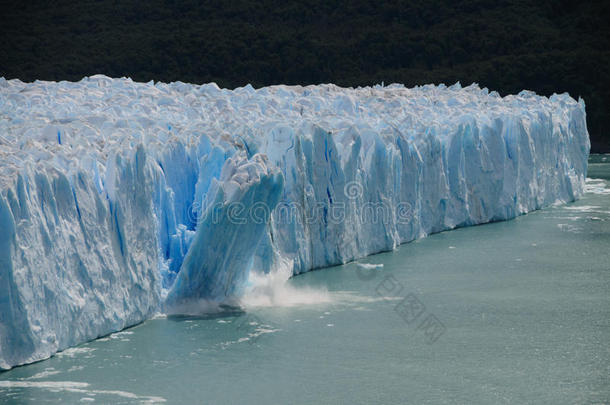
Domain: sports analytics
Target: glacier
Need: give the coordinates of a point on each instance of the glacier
(120, 200)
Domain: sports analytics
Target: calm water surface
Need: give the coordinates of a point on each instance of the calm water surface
(512, 312)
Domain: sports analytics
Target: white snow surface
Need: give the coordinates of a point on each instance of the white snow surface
(121, 199)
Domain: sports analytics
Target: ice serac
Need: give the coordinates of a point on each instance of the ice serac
(233, 221)
(120, 199)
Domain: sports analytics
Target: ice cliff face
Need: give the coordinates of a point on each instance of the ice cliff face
(119, 199)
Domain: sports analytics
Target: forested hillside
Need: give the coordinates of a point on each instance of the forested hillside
(507, 45)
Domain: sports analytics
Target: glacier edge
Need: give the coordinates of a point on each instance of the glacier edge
(110, 189)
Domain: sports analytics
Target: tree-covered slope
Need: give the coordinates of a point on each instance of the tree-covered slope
(546, 46)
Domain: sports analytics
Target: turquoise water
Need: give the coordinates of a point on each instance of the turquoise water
(511, 312)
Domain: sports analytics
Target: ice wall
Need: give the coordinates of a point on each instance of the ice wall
(75, 264)
(119, 199)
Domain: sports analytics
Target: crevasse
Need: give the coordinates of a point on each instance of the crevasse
(120, 199)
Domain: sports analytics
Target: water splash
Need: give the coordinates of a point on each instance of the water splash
(274, 290)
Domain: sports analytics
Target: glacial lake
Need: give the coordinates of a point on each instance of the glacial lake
(509, 312)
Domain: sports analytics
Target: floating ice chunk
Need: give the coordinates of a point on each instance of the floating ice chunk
(370, 266)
